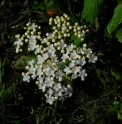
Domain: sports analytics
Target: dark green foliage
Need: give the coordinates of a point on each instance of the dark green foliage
(76, 40)
(98, 99)
(119, 35)
(116, 19)
(92, 8)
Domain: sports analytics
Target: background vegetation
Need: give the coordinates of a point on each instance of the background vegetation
(98, 99)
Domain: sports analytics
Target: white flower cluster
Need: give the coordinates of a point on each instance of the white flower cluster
(56, 59)
(62, 27)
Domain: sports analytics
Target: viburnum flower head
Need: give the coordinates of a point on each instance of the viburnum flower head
(55, 60)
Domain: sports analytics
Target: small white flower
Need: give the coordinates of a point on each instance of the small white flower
(20, 50)
(50, 48)
(58, 93)
(46, 67)
(80, 35)
(50, 92)
(64, 28)
(26, 77)
(17, 50)
(32, 38)
(28, 24)
(17, 36)
(42, 86)
(31, 62)
(74, 55)
(37, 49)
(63, 97)
(33, 26)
(40, 72)
(72, 64)
(88, 51)
(54, 58)
(33, 76)
(40, 80)
(45, 40)
(79, 28)
(70, 47)
(18, 42)
(32, 45)
(60, 79)
(74, 76)
(49, 82)
(65, 35)
(92, 59)
(62, 44)
(48, 70)
(79, 50)
(84, 45)
(40, 59)
(51, 35)
(76, 69)
(50, 99)
(65, 56)
(59, 74)
(82, 62)
(32, 70)
(69, 92)
(67, 70)
(51, 19)
(57, 86)
(82, 74)
(45, 56)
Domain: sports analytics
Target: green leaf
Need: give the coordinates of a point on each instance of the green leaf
(119, 116)
(116, 19)
(67, 77)
(76, 39)
(22, 61)
(19, 63)
(36, 3)
(120, 54)
(99, 75)
(119, 35)
(91, 9)
(16, 21)
(73, 18)
(116, 73)
(119, 1)
(51, 4)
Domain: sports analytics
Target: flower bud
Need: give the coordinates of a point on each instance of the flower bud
(76, 24)
(37, 82)
(20, 50)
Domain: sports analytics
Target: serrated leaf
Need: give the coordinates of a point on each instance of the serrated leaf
(76, 39)
(119, 35)
(116, 19)
(91, 9)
